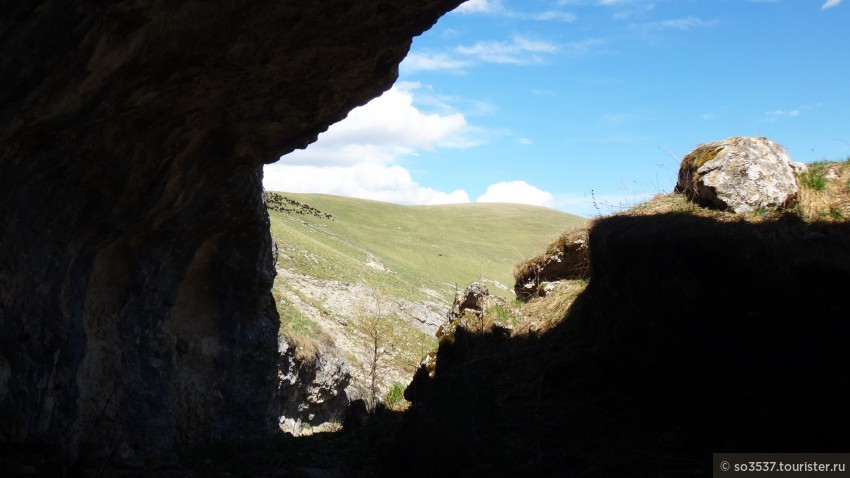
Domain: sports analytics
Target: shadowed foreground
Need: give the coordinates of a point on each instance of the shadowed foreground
(693, 336)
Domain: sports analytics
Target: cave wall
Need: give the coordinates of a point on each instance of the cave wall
(135, 256)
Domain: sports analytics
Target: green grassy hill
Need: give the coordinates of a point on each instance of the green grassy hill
(343, 261)
(412, 251)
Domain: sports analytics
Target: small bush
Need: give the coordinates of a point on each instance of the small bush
(814, 178)
(502, 315)
(394, 396)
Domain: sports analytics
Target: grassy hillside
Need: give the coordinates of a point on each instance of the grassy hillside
(411, 251)
(343, 261)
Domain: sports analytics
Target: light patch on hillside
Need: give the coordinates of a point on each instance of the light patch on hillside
(374, 263)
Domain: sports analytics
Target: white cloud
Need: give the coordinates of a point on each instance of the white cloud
(583, 47)
(384, 130)
(830, 4)
(495, 7)
(429, 61)
(358, 156)
(543, 92)
(566, 17)
(368, 181)
(518, 51)
(710, 116)
(525, 141)
(480, 6)
(519, 192)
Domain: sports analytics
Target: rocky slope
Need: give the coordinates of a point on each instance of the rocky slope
(135, 256)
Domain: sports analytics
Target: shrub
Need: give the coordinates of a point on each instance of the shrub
(394, 396)
(813, 178)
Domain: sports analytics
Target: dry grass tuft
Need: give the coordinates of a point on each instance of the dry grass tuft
(308, 348)
(542, 313)
(527, 268)
(825, 192)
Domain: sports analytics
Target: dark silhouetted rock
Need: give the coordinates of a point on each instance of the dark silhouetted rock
(135, 255)
(355, 415)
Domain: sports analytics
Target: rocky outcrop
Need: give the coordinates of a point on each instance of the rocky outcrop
(471, 299)
(567, 258)
(314, 389)
(739, 174)
(135, 256)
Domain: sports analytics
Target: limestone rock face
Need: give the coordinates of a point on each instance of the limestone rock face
(739, 174)
(135, 255)
(472, 299)
(567, 258)
(315, 390)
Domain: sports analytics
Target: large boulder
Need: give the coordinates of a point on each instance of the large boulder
(739, 174)
(135, 256)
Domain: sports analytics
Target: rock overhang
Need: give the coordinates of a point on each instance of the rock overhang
(130, 191)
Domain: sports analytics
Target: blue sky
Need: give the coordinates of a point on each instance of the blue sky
(558, 102)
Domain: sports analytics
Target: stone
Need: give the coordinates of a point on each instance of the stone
(473, 299)
(565, 259)
(135, 256)
(740, 174)
(314, 391)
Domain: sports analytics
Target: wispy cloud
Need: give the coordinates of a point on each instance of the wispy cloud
(480, 6)
(683, 24)
(619, 118)
(830, 4)
(433, 61)
(584, 47)
(495, 7)
(622, 9)
(566, 17)
(542, 92)
(518, 51)
(710, 116)
(603, 3)
(776, 114)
